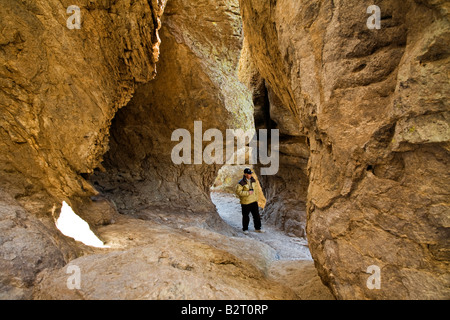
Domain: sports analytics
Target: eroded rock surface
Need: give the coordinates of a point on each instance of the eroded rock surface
(300, 276)
(28, 245)
(59, 90)
(373, 104)
(364, 126)
(164, 263)
(196, 81)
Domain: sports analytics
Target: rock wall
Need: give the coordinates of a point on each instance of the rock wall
(363, 114)
(196, 81)
(28, 246)
(374, 106)
(59, 90)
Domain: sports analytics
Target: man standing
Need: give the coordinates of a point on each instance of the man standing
(247, 190)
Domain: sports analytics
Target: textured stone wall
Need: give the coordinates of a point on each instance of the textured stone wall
(196, 81)
(59, 90)
(364, 138)
(374, 106)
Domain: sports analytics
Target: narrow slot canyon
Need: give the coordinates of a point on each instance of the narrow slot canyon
(129, 119)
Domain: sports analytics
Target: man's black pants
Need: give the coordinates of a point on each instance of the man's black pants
(246, 209)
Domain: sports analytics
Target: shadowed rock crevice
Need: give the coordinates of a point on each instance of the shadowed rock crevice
(286, 190)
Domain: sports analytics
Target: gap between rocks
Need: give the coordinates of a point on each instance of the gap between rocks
(293, 266)
(287, 247)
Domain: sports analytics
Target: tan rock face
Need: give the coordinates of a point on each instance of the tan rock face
(364, 145)
(301, 276)
(59, 90)
(196, 81)
(28, 245)
(61, 87)
(374, 105)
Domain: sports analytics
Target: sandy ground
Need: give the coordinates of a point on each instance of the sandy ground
(288, 248)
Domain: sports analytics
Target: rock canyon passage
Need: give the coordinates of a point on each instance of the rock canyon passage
(286, 247)
(116, 117)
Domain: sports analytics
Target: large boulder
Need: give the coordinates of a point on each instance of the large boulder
(286, 189)
(28, 245)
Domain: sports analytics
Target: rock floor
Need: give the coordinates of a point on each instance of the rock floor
(294, 267)
(287, 247)
(151, 259)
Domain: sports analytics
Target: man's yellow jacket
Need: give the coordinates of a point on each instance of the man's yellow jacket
(242, 190)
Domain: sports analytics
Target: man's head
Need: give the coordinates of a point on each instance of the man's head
(248, 173)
